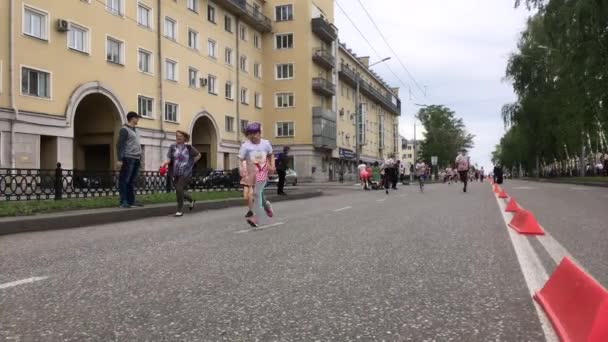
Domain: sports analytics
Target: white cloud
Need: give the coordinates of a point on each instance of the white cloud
(458, 49)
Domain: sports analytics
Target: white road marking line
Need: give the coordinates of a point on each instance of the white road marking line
(579, 188)
(342, 209)
(533, 270)
(524, 188)
(401, 195)
(21, 282)
(259, 228)
(381, 200)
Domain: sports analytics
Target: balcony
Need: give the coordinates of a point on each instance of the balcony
(324, 30)
(348, 75)
(323, 58)
(251, 15)
(323, 87)
(324, 129)
(384, 100)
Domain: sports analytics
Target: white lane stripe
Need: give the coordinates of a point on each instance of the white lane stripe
(21, 282)
(532, 269)
(381, 200)
(259, 228)
(401, 195)
(341, 209)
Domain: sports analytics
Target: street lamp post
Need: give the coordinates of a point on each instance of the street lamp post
(359, 118)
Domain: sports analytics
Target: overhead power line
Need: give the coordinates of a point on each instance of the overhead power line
(371, 46)
(392, 50)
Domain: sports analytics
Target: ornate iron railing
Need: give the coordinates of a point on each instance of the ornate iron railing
(36, 184)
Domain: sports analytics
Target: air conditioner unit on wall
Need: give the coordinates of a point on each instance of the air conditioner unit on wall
(63, 25)
(203, 82)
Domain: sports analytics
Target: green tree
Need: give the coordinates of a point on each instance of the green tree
(445, 134)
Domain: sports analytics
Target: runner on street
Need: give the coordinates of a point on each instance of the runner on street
(463, 163)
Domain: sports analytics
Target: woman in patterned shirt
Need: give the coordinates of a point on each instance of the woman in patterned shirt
(181, 159)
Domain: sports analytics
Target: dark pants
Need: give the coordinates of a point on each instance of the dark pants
(127, 179)
(464, 177)
(181, 191)
(281, 185)
(390, 178)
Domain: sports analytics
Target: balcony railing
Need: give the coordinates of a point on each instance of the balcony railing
(350, 76)
(324, 58)
(324, 128)
(323, 86)
(249, 14)
(347, 74)
(324, 30)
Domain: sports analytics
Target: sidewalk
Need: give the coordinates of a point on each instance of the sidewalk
(566, 181)
(93, 217)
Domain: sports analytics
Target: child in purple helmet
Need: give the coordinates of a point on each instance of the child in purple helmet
(257, 162)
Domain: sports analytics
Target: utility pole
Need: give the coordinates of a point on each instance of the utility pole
(358, 119)
(582, 159)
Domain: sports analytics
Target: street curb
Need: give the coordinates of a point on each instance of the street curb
(85, 218)
(599, 185)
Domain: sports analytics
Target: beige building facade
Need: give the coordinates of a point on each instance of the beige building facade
(70, 70)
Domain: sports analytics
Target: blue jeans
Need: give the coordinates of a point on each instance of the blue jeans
(127, 179)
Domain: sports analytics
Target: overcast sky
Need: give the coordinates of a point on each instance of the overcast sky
(457, 48)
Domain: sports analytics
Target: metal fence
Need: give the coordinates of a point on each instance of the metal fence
(37, 184)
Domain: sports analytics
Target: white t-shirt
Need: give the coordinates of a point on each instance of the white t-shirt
(256, 156)
(462, 162)
(361, 167)
(421, 169)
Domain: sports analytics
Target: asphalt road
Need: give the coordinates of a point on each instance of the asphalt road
(350, 266)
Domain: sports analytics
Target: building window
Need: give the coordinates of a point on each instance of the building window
(228, 56)
(244, 63)
(144, 16)
(258, 100)
(284, 41)
(78, 38)
(257, 70)
(211, 85)
(256, 41)
(211, 13)
(171, 70)
(145, 61)
(192, 77)
(229, 124)
(35, 23)
(244, 96)
(192, 39)
(285, 100)
(193, 5)
(229, 91)
(170, 28)
(285, 129)
(243, 32)
(284, 13)
(35, 83)
(114, 6)
(244, 124)
(115, 53)
(145, 106)
(284, 71)
(228, 23)
(212, 45)
(171, 111)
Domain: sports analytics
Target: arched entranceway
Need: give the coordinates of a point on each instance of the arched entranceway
(204, 138)
(97, 121)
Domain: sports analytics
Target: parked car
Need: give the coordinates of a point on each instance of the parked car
(217, 179)
(291, 177)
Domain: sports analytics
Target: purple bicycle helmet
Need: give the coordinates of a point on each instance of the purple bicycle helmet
(253, 127)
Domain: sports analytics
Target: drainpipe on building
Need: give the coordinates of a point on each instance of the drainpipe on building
(237, 93)
(11, 88)
(159, 63)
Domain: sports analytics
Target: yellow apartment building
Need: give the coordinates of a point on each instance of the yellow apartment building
(70, 70)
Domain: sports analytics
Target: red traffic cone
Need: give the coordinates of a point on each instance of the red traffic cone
(503, 194)
(576, 304)
(512, 206)
(524, 222)
(497, 189)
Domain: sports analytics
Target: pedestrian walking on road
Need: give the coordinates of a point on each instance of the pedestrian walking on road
(363, 175)
(282, 164)
(421, 172)
(498, 174)
(257, 162)
(181, 159)
(389, 174)
(128, 150)
(463, 164)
